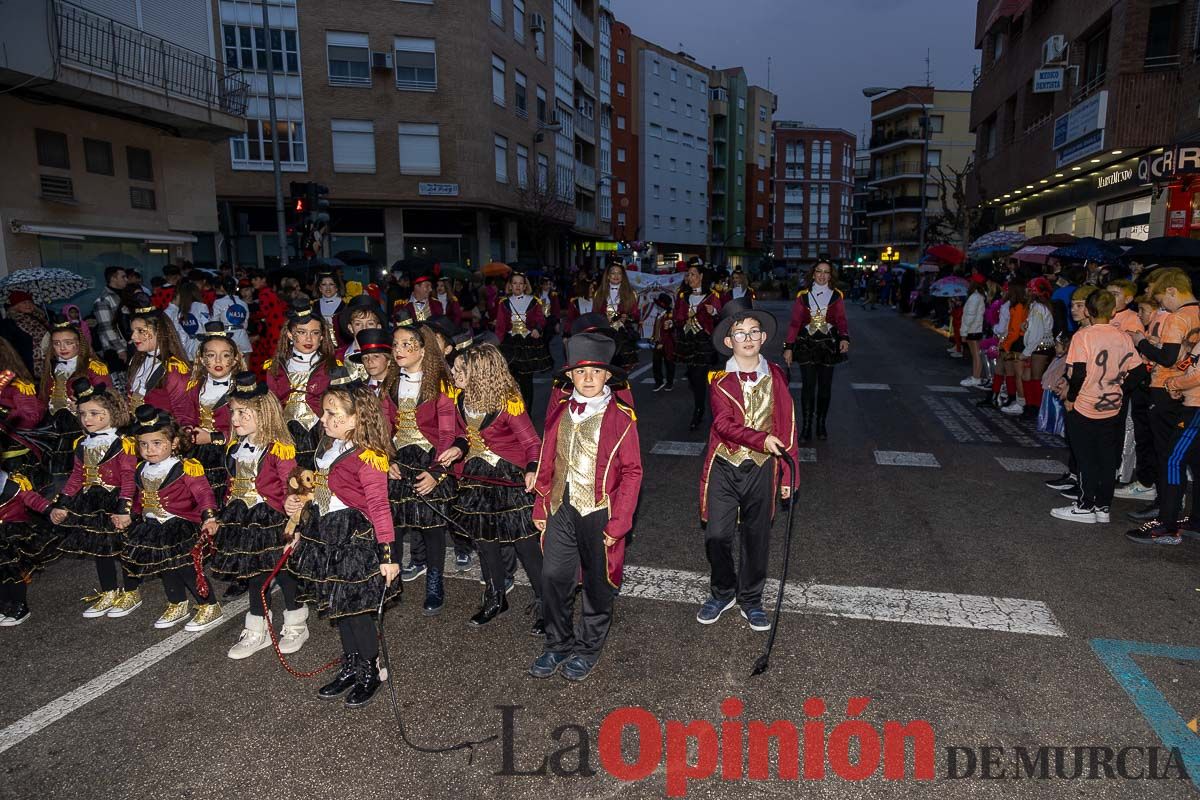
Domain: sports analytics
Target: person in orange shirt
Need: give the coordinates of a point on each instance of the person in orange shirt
(1101, 363)
(1013, 342)
(1126, 317)
(1172, 289)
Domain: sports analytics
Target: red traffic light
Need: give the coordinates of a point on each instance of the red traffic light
(300, 205)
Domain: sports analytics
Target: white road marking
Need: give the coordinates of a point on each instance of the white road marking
(678, 448)
(639, 371)
(963, 409)
(807, 455)
(949, 389)
(1040, 466)
(947, 419)
(55, 710)
(902, 458)
(871, 387)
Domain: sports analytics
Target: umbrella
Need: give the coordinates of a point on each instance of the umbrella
(1164, 248)
(1055, 239)
(453, 271)
(948, 253)
(496, 270)
(1089, 248)
(997, 241)
(327, 263)
(953, 286)
(354, 257)
(1036, 254)
(45, 285)
(929, 266)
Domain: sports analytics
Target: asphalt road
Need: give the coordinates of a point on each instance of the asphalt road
(943, 593)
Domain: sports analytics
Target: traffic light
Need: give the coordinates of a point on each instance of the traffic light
(316, 209)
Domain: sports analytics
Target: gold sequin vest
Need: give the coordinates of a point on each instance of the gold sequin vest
(575, 463)
(759, 416)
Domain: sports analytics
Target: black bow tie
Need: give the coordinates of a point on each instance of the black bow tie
(97, 435)
(220, 383)
(60, 362)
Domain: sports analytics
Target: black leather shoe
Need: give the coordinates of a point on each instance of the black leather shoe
(697, 417)
(578, 668)
(1144, 514)
(491, 609)
(435, 593)
(547, 664)
(822, 434)
(342, 681)
(538, 628)
(366, 683)
(806, 431)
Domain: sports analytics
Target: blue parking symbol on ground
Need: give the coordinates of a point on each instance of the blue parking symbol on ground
(1170, 727)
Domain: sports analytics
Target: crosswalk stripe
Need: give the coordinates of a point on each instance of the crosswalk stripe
(903, 458)
(663, 448)
(1040, 466)
(871, 387)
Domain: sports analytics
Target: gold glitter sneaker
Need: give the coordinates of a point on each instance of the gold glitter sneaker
(175, 613)
(205, 617)
(126, 604)
(100, 607)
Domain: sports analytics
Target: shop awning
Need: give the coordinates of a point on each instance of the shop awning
(1004, 9)
(78, 232)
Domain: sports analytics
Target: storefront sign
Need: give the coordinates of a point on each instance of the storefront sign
(1117, 176)
(1102, 185)
(437, 189)
(1172, 162)
(1081, 120)
(1048, 80)
(1081, 148)
(1012, 210)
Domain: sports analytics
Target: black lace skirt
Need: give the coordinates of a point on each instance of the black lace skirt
(627, 346)
(337, 564)
(249, 542)
(153, 547)
(820, 349)
(66, 431)
(408, 509)
(26, 547)
(306, 443)
(212, 458)
(88, 529)
(492, 513)
(526, 355)
(694, 349)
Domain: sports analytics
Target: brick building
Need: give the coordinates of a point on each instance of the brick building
(626, 223)
(814, 186)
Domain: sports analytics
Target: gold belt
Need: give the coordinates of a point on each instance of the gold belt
(244, 489)
(91, 477)
(151, 502)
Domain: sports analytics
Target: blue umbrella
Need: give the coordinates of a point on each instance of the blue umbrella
(1089, 248)
(996, 242)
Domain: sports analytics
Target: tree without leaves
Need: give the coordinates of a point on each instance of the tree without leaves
(960, 223)
(542, 214)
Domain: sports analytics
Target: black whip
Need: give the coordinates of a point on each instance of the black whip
(763, 663)
(449, 521)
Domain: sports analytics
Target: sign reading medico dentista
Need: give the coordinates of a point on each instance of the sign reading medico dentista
(437, 189)
(1048, 80)
(1080, 132)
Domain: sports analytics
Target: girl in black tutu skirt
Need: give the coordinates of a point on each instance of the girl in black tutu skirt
(521, 329)
(100, 485)
(344, 558)
(818, 339)
(696, 309)
(27, 544)
(217, 361)
(250, 541)
(424, 427)
(617, 299)
(173, 504)
(495, 489)
(72, 359)
(299, 375)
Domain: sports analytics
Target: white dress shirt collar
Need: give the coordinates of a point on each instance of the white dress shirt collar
(593, 406)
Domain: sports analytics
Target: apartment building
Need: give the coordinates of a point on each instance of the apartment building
(814, 188)
(727, 165)
(626, 172)
(426, 151)
(108, 111)
(1075, 104)
(759, 146)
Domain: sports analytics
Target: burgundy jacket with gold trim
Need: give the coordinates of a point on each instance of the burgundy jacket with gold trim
(116, 469)
(167, 391)
(221, 420)
(17, 499)
(437, 419)
(96, 372)
(706, 312)
(275, 466)
(618, 473)
(318, 382)
(729, 426)
(402, 311)
(185, 492)
(359, 479)
(535, 317)
(835, 315)
(25, 409)
(509, 435)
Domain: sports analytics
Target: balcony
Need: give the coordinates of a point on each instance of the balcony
(1161, 62)
(888, 205)
(586, 77)
(585, 176)
(888, 139)
(585, 220)
(118, 67)
(906, 170)
(584, 26)
(717, 216)
(585, 127)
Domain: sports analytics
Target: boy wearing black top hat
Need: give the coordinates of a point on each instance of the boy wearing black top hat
(754, 420)
(588, 479)
(372, 355)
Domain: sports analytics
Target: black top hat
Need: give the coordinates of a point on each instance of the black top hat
(61, 323)
(740, 309)
(214, 329)
(592, 350)
(371, 340)
(443, 325)
(85, 390)
(142, 306)
(301, 311)
(593, 322)
(341, 378)
(361, 302)
(246, 386)
(149, 419)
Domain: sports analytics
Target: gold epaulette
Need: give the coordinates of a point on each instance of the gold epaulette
(374, 458)
(129, 445)
(716, 375)
(801, 293)
(283, 451)
(24, 387)
(627, 409)
(177, 365)
(98, 367)
(78, 440)
(515, 405)
(193, 468)
(450, 390)
(267, 364)
(192, 384)
(233, 441)
(22, 482)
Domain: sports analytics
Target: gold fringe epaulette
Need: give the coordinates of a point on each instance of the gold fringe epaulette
(450, 390)
(25, 387)
(283, 451)
(193, 468)
(716, 375)
(267, 364)
(515, 406)
(177, 365)
(192, 384)
(628, 410)
(22, 482)
(375, 459)
(129, 445)
(98, 367)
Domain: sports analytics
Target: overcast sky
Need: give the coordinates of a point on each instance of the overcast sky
(823, 52)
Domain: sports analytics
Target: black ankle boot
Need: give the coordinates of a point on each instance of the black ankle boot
(342, 681)
(435, 592)
(366, 683)
(697, 417)
(492, 608)
(806, 431)
(822, 434)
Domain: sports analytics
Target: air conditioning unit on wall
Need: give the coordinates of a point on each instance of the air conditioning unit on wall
(381, 60)
(1054, 50)
(537, 23)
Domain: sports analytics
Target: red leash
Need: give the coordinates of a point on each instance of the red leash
(287, 551)
(204, 547)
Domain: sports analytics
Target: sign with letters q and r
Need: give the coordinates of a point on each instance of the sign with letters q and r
(1048, 80)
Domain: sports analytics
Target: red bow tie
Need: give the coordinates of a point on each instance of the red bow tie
(748, 377)
(577, 407)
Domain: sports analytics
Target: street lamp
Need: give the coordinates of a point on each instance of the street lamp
(872, 91)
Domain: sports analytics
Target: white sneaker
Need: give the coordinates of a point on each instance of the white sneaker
(252, 639)
(1136, 490)
(1102, 515)
(954, 353)
(295, 630)
(1074, 513)
(969, 383)
(1013, 409)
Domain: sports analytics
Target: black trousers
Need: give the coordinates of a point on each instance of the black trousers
(287, 585)
(698, 383)
(1146, 469)
(817, 389)
(13, 593)
(1097, 447)
(525, 384)
(663, 366)
(428, 547)
(1166, 418)
(1184, 453)
(107, 570)
(572, 542)
(359, 636)
(493, 563)
(179, 583)
(740, 505)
